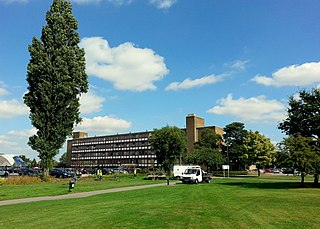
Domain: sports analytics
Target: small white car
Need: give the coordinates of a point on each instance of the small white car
(4, 173)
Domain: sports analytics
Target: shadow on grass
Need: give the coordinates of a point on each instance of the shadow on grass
(270, 185)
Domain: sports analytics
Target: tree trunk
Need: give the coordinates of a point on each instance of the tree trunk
(316, 179)
(46, 172)
(302, 180)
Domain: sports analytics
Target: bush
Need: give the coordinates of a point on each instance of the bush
(21, 180)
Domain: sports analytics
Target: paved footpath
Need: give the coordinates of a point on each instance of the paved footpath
(78, 195)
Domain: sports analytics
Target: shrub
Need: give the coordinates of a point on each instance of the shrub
(22, 180)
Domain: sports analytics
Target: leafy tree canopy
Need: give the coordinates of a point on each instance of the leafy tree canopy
(169, 144)
(56, 77)
(234, 137)
(300, 153)
(303, 115)
(302, 124)
(208, 138)
(208, 150)
(258, 150)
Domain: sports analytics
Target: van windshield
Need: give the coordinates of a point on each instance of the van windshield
(190, 171)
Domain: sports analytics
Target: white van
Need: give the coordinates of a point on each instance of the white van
(178, 170)
(195, 175)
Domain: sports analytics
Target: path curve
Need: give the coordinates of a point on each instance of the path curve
(77, 195)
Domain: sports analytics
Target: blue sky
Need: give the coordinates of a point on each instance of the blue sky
(152, 62)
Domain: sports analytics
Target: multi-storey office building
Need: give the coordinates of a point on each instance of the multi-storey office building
(111, 150)
(123, 149)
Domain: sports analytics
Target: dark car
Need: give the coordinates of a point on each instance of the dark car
(291, 171)
(60, 173)
(28, 172)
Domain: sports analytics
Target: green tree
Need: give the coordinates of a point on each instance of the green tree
(208, 150)
(259, 150)
(303, 118)
(300, 154)
(303, 115)
(62, 160)
(34, 163)
(56, 77)
(234, 137)
(25, 159)
(208, 138)
(169, 143)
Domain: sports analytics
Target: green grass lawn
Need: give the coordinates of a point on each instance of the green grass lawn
(61, 186)
(269, 202)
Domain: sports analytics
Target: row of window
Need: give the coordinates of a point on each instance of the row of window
(112, 149)
(112, 157)
(113, 145)
(117, 153)
(113, 162)
(90, 141)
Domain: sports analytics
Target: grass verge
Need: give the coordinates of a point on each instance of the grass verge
(61, 186)
(225, 203)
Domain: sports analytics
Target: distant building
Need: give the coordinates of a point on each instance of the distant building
(194, 127)
(11, 160)
(110, 150)
(125, 149)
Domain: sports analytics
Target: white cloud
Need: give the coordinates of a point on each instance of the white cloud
(105, 124)
(15, 142)
(239, 65)
(254, 109)
(85, 1)
(4, 141)
(163, 4)
(22, 133)
(294, 75)
(3, 92)
(189, 83)
(14, 1)
(12, 108)
(126, 66)
(114, 2)
(90, 103)
(120, 2)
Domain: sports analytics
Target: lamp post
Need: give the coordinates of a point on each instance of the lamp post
(228, 154)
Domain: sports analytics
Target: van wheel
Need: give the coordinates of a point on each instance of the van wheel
(196, 181)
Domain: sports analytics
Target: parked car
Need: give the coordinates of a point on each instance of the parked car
(28, 172)
(291, 171)
(268, 171)
(60, 173)
(73, 172)
(276, 171)
(287, 171)
(119, 170)
(4, 173)
(107, 171)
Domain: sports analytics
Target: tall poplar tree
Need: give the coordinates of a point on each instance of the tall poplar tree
(56, 77)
